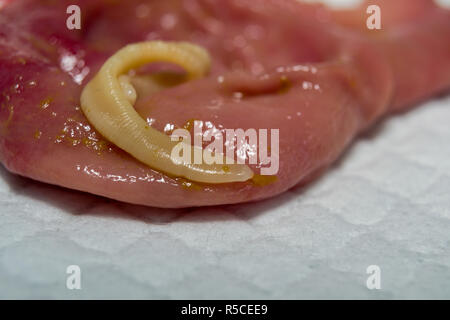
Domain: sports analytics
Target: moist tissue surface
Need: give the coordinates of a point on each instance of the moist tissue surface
(385, 203)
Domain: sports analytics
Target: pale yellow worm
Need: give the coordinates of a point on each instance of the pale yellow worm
(108, 99)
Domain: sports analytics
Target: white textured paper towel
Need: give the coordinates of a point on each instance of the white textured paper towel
(386, 203)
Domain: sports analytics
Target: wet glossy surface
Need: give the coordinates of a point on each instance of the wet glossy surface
(277, 64)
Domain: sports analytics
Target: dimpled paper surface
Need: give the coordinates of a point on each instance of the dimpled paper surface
(385, 203)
